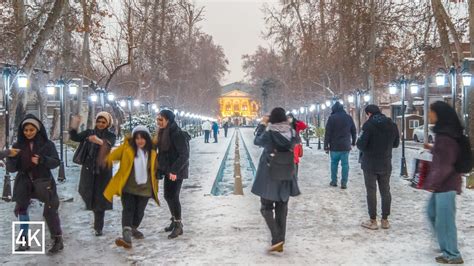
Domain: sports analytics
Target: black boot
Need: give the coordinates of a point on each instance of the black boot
(137, 234)
(171, 226)
(24, 247)
(126, 239)
(177, 230)
(58, 245)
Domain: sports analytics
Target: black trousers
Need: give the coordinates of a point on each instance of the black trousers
(99, 220)
(133, 209)
(274, 213)
(383, 180)
(215, 136)
(225, 132)
(171, 193)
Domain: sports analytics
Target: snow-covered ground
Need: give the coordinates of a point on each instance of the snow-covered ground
(323, 223)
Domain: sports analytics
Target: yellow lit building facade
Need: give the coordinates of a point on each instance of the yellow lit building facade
(238, 107)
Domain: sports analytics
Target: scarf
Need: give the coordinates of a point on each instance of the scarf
(27, 165)
(164, 140)
(140, 166)
(284, 128)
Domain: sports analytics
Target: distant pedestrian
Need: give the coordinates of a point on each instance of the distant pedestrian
(135, 182)
(379, 136)
(206, 126)
(340, 129)
(275, 180)
(444, 179)
(226, 128)
(94, 175)
(298, 126)
(215, 130)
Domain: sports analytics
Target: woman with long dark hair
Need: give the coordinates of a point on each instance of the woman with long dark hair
(95, 177)
(278, 138)
(444, 181)
(173, 155)
(135, 182)
(37, 157)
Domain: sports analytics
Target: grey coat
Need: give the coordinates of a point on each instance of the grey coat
(264, 186)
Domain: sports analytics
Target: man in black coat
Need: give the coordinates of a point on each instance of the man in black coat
(340, 129)
(379, 136)
(173, 166)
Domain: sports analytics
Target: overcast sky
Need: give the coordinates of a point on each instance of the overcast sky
(237, 26)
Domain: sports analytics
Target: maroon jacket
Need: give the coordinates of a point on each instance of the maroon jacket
(443, 177)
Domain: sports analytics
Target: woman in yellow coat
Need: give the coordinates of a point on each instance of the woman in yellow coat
(135, 181)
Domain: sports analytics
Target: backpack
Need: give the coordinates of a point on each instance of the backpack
(463, 163)
(281, 164)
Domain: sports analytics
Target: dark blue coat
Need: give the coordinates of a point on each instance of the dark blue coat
(340, 129)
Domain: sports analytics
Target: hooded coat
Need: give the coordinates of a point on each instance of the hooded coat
(175, 160)
(48, 159)
(94, 178)
(281, 137)
(340, 128)
(379, 136)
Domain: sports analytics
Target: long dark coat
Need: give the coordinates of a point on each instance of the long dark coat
(176, 159)
(264, 185)
(49, 159)
(94, 179)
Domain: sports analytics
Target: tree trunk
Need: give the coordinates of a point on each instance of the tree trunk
(437, 7)
(44, 35)
(371, 52)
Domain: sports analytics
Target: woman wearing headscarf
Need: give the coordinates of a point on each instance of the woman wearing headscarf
(173, 158)
(94, 176)
(37, 157)
(444, 181)
(135, 182)
(275, 135)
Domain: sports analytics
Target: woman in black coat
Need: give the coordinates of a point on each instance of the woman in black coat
(94, 175)
(33, 163)
(173, 166)
(275, 133)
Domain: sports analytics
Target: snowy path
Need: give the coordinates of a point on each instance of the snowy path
(323, 223)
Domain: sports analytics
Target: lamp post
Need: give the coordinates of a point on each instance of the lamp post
(466, 82)
(51, 90)
(441, 81)
(22, 82)
(355, 98)
(403, 82)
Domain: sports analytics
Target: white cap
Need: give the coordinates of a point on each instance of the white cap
(141, 128)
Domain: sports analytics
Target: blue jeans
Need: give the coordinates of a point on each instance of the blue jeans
(442, 215)
(342, 156)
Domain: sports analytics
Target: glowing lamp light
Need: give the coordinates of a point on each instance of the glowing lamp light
(350, 99)
(51, 89)
(466, 79)
(136, 103)
(123, 103)
(392, 88)
(440, 79)
(110, 97)
(73, 89)
(94, 98)
(22, 81)
(366, 98)
(414, 88)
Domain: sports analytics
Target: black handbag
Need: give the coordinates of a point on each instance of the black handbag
(81, 152)
(281, 165)
(45, 191)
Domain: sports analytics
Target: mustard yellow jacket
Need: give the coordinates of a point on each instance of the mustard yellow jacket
(126, 155)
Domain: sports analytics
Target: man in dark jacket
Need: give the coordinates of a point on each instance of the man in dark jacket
(379, 136)
(173, 166)
(340, 129)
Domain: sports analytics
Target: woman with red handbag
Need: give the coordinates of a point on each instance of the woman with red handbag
(298, 126)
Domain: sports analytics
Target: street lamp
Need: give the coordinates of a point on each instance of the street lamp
(403, 82)
(22, 83)
(466, 82)
(440, 78)
(51, 90)
(328, 103)
(355, 98)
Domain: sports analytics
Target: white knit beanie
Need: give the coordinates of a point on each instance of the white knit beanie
(141, 128)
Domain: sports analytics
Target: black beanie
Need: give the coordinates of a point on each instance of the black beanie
(168, 114)
(373, 109)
